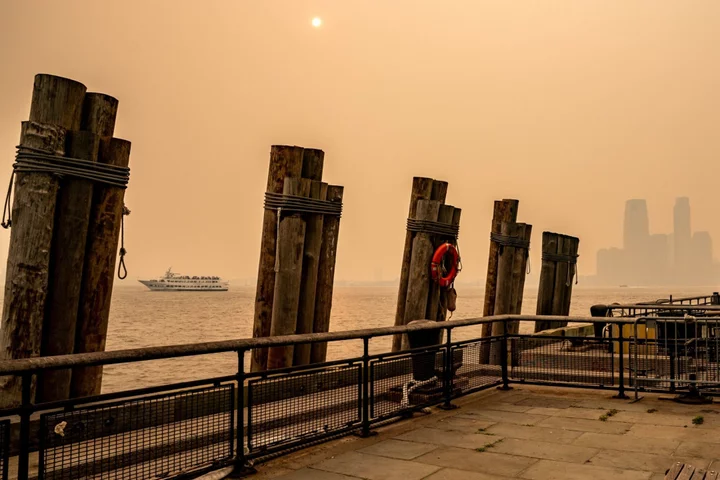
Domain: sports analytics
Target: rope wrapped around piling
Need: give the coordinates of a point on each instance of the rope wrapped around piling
(506, 241)
(571, 260)
(295, 204)
(433, 228)
(34, 160)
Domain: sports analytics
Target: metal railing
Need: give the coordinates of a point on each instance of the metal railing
(184, 429)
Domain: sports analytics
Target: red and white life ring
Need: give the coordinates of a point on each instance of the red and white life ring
(449, 277)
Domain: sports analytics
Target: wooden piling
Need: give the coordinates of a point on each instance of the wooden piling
(67, 257)
(442, 311)
(419, 272)
(445, 215)
(421, 189)
(519, 273)
(99, 270)
(288, 275)
(326, 276)
(505, 210)
(311, 263)
(505, 296)
(56, 107)
(285, 161)
(556, 278)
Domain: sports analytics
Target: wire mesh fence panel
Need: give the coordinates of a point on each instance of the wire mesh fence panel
(144, 438)
(406, 381)
(4, 448)
(470, 373)
(302, 406)
(674, 354)
(587, 361)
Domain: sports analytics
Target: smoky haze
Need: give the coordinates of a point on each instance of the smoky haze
(573, 107)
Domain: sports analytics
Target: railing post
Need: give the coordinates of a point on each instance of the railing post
(448, 375)
(621, 363)
(366, 390)
(241, 468)
(26, 410)
(504, 358)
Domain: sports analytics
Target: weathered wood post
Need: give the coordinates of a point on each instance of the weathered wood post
(312, 170)
(559, 258)
(505, 210)
(419, 273)
(106, 217)
(67, 257)
(326, 275)
(55, 108)
(520, 272)
(445, 216)
(442, 312)
(285, 161)
(288, 276)
(99, 270)
(421, 189)
(513, 243)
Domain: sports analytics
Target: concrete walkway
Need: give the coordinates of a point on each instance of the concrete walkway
(534, 433)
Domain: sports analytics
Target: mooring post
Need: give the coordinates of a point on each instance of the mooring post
(505, 210)
(421, 189)
(445, 216)
(67, 257)
(513, 244)
(312, 170)
(419, 272)
(104, 232)
(559, 253)
(326, 275)
(442, 311)
(285, 161)
(56, 107)
(286, 299)
(519, 274)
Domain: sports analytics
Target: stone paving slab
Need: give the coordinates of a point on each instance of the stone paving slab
(690, 433)
(628, 443)
(669, 420)
(699, 449)
(642, 461)
(312, 474)
(571, 412)
(499, 416)
(462, 424)
(449, 438)
(453, 474)
(550, 470)
(398, 449)
(545, 450)
(482, 462)
(536, 433)
(373, 467)
(583, 425)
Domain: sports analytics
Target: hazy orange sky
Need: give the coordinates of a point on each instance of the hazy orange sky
(570, 106)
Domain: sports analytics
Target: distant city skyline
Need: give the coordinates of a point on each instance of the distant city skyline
(682, 257)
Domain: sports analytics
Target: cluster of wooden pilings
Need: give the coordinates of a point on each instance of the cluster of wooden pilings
(507, 268)
(297, 256)
(64, 237)
(418, 296)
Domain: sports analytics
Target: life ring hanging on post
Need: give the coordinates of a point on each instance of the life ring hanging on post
(437, 265)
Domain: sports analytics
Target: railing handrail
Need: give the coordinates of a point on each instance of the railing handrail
(35, 364)
(658, 306)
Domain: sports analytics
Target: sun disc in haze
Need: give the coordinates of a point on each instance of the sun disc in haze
(316, 22)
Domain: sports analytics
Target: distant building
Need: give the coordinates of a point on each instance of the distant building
(658, 259)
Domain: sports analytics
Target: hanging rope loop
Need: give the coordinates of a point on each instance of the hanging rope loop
(122, 269)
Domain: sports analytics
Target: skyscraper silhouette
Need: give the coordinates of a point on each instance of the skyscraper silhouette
(636, 231)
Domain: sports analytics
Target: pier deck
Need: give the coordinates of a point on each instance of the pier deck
(537, 433)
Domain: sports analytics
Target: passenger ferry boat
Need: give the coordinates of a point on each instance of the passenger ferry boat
(172, 282)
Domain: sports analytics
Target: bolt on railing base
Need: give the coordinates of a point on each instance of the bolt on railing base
(504, 388)
(447, 406)
(361, 434)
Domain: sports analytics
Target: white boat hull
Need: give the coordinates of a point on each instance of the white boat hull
(157, 286)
